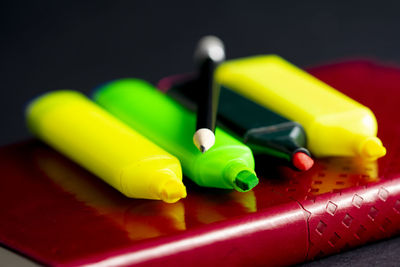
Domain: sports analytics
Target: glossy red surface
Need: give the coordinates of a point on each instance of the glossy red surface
(56, 213)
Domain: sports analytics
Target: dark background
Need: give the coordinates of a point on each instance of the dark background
(48, 45)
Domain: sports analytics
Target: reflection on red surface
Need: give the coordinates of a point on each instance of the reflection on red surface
(329, 175)
(139, 219)
(57, 213)
(76, 218)
(219, 206)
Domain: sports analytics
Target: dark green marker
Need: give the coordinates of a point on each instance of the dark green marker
(264, 131)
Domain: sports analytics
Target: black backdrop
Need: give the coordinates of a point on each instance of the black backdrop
(48, 45)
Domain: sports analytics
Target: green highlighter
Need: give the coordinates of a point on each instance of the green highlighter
(229, 164)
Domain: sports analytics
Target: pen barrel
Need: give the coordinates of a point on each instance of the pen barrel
(336, 125)
(171, 126)
(208, 95)
(90, 136)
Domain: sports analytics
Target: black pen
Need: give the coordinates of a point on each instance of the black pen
(209, 54)
(264, 131)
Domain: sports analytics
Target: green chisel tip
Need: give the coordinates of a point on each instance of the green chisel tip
(246, 180)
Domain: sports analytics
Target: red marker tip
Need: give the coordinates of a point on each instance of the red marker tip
(302, 161)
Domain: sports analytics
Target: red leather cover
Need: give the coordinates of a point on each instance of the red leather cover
(56, 213)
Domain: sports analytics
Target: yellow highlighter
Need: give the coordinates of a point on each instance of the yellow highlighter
(336, 125)
(87, 134)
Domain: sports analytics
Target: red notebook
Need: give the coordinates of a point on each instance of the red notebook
(56, 213)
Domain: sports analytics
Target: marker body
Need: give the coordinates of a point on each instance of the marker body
(171, 126)
(90, 136)
(264, 131)
(335, 124)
